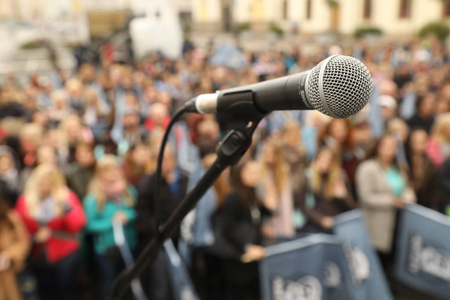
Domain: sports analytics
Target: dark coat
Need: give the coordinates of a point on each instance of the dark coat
(78, 179)
(323, 206)
(417, 122)
(234, 229)
(146, 218)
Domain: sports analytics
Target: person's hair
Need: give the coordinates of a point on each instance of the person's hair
(64, 125)
(85, 147)
(221, 185)
(289, 126)
(59, 188)
(281, 173)
(106, 164)
(32, 131)
(333, 176)
(438, 129)
(349, 143)
(395, 124)
(421, 99)
(246, 193)
(373, 152)
(409, 150)
(131, 168)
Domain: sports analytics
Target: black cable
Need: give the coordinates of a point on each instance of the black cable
(178, 113)
(119, 288)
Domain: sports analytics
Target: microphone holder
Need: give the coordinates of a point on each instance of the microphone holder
(243, 119)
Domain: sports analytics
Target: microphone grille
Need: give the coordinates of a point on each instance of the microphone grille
(339, 86)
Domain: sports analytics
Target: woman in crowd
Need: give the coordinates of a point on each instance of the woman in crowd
(326, 192)
(222, 184)
(10, 174)
(53, 216)
(338, 135)
(80, 172)
(110, 201)
(425, 111)
(400, 131)
(423, 174)
(275, 174)
(137, 163)
(60, 108)
(72, 133)
(30, 139)
(14, 247)
(438, 146)
(172, 189)
(383, 188)
(295, 155)
(238, 227)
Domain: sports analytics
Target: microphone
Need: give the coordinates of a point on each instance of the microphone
(339, 86)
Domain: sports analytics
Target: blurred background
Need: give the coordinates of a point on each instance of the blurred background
(42, 33)
(87, 89)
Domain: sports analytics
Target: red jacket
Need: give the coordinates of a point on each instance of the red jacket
(64, 241)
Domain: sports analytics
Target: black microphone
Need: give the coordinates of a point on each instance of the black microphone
(339, 86)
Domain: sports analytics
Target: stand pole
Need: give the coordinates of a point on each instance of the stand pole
(229, 152)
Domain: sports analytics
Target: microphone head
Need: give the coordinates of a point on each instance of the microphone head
(339, 86)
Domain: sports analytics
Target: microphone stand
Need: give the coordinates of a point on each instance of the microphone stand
(243, 118)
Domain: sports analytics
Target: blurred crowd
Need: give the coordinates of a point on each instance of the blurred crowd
(78, 155)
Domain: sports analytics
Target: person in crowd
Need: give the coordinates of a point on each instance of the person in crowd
(383, 188)
(275, 175)
(30, 138)
(10, 174)
(73, 132)
(14, 247)
(362, 133)
(238, 226)
(423, 174)
(315, 123)
(438, 145)
(76, 100)
(59, 109)
(172, 189)
(158, 118)
(326, 192)
(388, 108)
(53, 217)
(110, 202)
(400, 131)
(80, 172)
(132, 132)
(208, 135)
(9, 106)
(294, 153)
(97, 114)
(424, 116)
(46, 154)
(338, 135)
(204, 265)
(137, 163)
(53, 137)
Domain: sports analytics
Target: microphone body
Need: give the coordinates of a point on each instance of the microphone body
(276, 94)
(338, 86)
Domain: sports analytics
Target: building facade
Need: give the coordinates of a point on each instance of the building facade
(316, 16)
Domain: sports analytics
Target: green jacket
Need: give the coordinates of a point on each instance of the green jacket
(100, 222)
